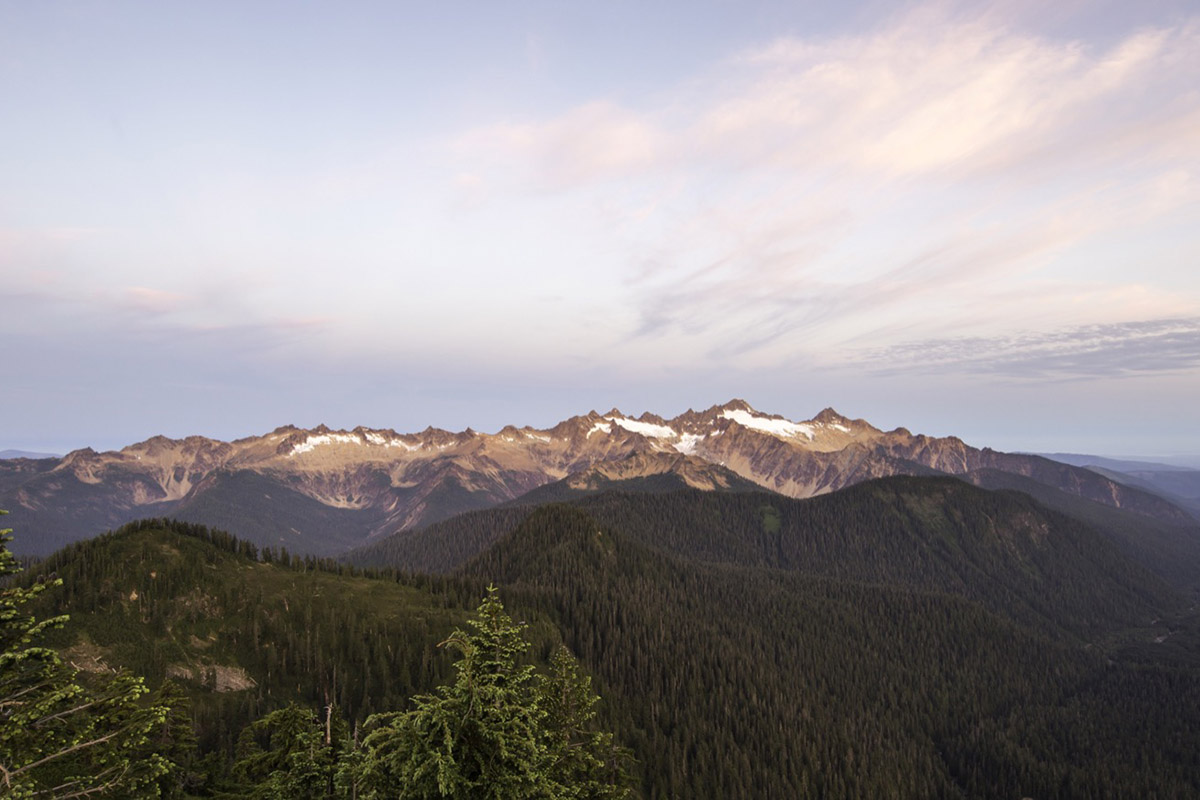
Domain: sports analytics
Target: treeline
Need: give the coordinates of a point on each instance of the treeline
(221, 540)
(225, 542)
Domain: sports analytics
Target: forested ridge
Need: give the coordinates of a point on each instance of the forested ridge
(165, 598)
(905, 638)
(933, 533)
(755, 682)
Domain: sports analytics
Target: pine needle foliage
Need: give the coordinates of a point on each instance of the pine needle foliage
(62, 736)
(290, 754)
(494, 732)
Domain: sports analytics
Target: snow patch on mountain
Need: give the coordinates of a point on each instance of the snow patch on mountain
(383, 441)
(312, 442)
(599, 426)
(687, 443)
(775, 427)
(645, 428)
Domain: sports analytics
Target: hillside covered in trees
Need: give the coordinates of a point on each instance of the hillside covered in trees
(910, 637)
(501, 728)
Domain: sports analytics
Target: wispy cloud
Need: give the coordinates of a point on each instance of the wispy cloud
(595, 141)
(152, 301)
(811, 191)
(162, 326)
(1085, 351)
(924, 92)
(928, 94)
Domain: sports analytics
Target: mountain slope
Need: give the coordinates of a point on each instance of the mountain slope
(1178, 484)
(243, 635)
(748, 681)
(1171, 551)
(653, 473)
(933, 534)
(1181, 487)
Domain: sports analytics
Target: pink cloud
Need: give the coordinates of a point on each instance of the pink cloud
(152, 301)
(595, 141)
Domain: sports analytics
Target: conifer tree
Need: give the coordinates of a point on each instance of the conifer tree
(61, 736)
(585, 763)
(299, 759)
(498, 732)
(480, 737)
(175, 740)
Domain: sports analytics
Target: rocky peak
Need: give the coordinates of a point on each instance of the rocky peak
(80, 456)
(295, 437)
(736, 404)
(444, 438)
(569, 428)
(830, 417)
(158, 441)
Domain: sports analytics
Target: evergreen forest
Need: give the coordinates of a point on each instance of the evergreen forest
(904, 638)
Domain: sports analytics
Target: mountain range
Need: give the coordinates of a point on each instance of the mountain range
(1179, 484)
(768, 608)
(323, 491)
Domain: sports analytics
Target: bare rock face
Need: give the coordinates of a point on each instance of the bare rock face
(323, 491)
(691, 472)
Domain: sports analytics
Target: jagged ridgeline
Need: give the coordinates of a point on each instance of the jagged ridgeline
(324, 492)
(910, 637)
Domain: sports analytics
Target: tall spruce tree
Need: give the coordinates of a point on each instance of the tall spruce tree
(494, 733)
(585, 764)
(290, 754)
(480, 737)
(61, 736)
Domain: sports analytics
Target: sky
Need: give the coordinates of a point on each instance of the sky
(972, 219)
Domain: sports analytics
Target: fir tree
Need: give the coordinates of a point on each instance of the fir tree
(299, 759)
(481, 737)
(498, 732)
(585, 763)
(60, 736)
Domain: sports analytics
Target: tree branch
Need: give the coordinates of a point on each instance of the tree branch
(72, 749)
